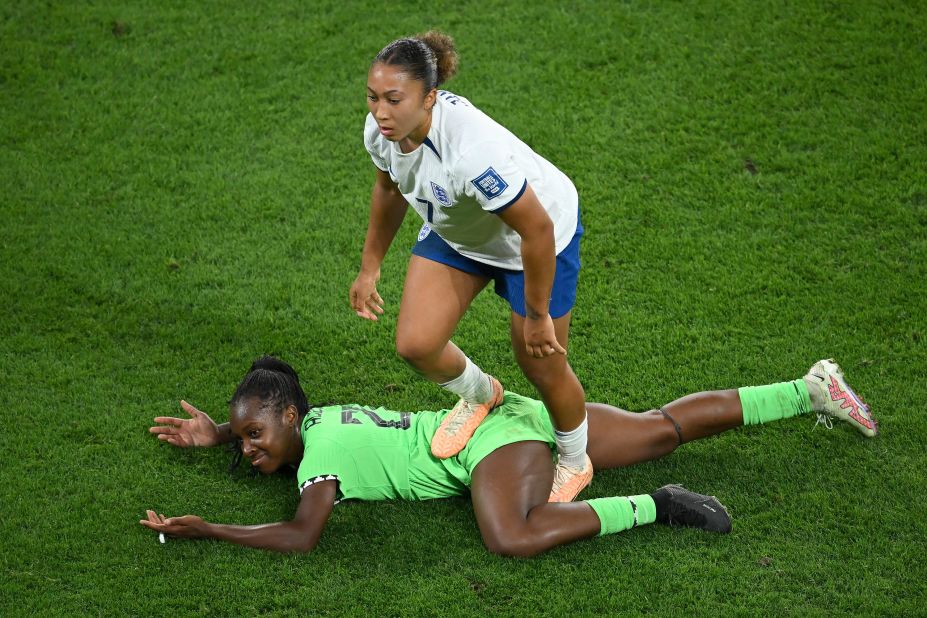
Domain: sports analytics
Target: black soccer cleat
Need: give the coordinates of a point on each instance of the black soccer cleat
(677, 506)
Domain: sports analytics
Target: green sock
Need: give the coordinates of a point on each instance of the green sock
(621, 513)
(762, 404)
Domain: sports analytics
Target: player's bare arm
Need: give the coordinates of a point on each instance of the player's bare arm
(301, 534)
(539, 255)
(387, 211)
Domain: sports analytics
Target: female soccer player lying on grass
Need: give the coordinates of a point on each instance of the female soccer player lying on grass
(359, 452)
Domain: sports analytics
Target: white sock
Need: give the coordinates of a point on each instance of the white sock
(572, 445)
(472, 385)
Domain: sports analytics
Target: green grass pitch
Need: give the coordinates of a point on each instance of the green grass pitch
(185, 188)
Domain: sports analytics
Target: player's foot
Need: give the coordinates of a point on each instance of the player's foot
(569, 481)
(832, 397)
(677, 506)
(460, 423)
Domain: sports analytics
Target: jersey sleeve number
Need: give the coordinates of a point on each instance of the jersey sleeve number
(348, 418)
(453, 99)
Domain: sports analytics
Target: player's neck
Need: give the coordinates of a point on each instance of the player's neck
(295, 452)
(417, 137)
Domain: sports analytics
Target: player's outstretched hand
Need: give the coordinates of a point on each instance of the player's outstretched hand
(188, 526)
(541, 338)
(365, 300)
(198, 430)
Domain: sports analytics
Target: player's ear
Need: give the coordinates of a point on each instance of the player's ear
(430, 97)
(290, 415)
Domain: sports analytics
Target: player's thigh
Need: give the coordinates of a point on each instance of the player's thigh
(506, 485)
(618, 438)
(434, 299)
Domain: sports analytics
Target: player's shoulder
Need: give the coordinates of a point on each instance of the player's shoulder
(321, 420)
(462, 125)
(450, 100)
(468, 135)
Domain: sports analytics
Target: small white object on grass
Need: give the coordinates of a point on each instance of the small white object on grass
(161, 537)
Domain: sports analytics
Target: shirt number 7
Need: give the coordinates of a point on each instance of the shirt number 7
(431, 209)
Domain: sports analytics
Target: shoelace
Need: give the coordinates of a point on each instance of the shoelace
(823, 419)
(560, 477)
(562, 474)
(459, 417)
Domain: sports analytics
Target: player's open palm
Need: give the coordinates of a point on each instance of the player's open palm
(187, 526)
(365, 300)
(198, 430)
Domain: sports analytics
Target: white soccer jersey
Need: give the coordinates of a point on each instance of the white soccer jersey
(469, 169)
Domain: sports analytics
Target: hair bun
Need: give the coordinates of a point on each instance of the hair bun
(446, 57)
(271, 363)
(429, 57)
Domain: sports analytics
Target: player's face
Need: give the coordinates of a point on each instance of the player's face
(269, 439)
(399, 104)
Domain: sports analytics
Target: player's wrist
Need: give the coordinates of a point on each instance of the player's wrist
(223, 434)
(204, 530)
(536, 311)
(369, 272)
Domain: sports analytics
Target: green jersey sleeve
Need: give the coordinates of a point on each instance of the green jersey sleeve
(325, 461)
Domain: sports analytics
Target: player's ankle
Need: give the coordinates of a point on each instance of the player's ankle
(815, 393)
(661, 499)
(571, 445)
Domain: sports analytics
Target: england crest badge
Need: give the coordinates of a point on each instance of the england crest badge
(440, 194)
(424, 232)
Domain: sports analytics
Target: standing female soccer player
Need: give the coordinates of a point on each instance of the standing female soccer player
(493, 210)
(365, 453)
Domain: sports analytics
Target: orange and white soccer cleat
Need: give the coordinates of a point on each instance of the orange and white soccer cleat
(569, 481)
(458, 426)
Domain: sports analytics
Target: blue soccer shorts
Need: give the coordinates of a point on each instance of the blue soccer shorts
(510, 284)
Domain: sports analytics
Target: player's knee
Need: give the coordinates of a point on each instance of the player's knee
(665, 433)
(546, 378)
(414, 350)
(513, 545)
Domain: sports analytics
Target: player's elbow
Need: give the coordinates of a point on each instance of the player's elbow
(304, 548)
(303, 545)
(300, 540)
(512, 546)
(541, 229)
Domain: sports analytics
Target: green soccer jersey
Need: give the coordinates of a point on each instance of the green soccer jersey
(380, 454)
